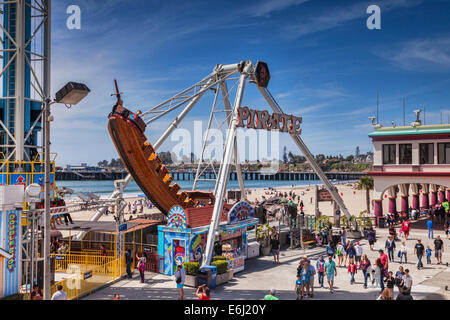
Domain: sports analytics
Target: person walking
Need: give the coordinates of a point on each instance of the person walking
(331, 271)
(358, 252)
(299, 288)
(399, 277)
(60, 294)
(384, 267)
(371, 238)
(352, 270)
(346, 246)
(330, 250)
(180, 276)
(344, 236)
(128, 263)
(406, 225)
(320, 266)
(340, 251)
(419, 250)
(276, 249)
(365, 266)
(430, 228)
(351, 252)
(403, 252)
(438, 249)
(447, 228)
(390, 247)
(407, 281)
(428, 253)
(271, 295)
(141, 267)
(325, 235)
(390, 282)
(312, 273)
(376, 272)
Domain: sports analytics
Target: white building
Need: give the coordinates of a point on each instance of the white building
(411, 160)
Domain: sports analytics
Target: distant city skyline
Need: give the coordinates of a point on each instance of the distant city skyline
(326, 65)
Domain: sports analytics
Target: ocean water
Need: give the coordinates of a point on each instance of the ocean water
(105, 188)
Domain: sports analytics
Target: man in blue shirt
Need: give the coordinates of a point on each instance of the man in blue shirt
(331, 271)
(430, 229)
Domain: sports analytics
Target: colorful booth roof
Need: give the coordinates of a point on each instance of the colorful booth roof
(197, 220)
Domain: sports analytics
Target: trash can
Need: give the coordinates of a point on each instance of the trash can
(204, 277)
(381, 222)
(213, 272)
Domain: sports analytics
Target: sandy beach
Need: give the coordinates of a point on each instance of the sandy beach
(353, 199)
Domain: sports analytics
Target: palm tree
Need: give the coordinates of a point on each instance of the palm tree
(366, 183)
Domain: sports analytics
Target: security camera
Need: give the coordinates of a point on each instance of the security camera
(417, 112)
(372, 119)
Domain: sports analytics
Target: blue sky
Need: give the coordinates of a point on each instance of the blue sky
(326, 65)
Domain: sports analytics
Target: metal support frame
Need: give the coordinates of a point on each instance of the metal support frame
(23, 50)
(225, 167)
(308, 155)
(237, 163)
(46, 93)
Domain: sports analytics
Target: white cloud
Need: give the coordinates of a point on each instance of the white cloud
(420, 55)
(338, 16)
(264, 8)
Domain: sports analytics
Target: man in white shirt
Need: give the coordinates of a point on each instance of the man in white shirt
(358, 253)
(59, 295)
(407, 280)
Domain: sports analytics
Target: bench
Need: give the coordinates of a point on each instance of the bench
(310, 243)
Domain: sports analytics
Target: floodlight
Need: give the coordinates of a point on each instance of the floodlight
(33, 190)
(72, 93)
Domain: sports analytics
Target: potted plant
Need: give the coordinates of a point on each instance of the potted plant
(224, 273)
(192, 269)
(263, 234)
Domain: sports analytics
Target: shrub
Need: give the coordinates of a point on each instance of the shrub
(222, 266)
(219, 258)
(192, 268)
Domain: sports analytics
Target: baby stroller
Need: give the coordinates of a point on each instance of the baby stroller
(318, 237)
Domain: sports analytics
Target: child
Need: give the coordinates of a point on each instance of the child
(428, 251)
(352, 270)
(376, 277)
(299, 287)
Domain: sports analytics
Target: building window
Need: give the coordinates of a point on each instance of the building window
(405, 153)
(388, 153)
(426, 153)
(444, 153)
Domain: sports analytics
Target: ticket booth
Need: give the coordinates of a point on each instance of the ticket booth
(185, 235)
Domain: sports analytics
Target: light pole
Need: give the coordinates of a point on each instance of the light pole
(71, 94)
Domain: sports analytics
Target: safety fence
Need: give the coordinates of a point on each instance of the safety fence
(66, 263)
(85, 276)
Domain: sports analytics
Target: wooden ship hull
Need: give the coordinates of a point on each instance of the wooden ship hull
(144, 164)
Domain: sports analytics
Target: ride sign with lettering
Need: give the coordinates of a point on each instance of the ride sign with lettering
(256, 119)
